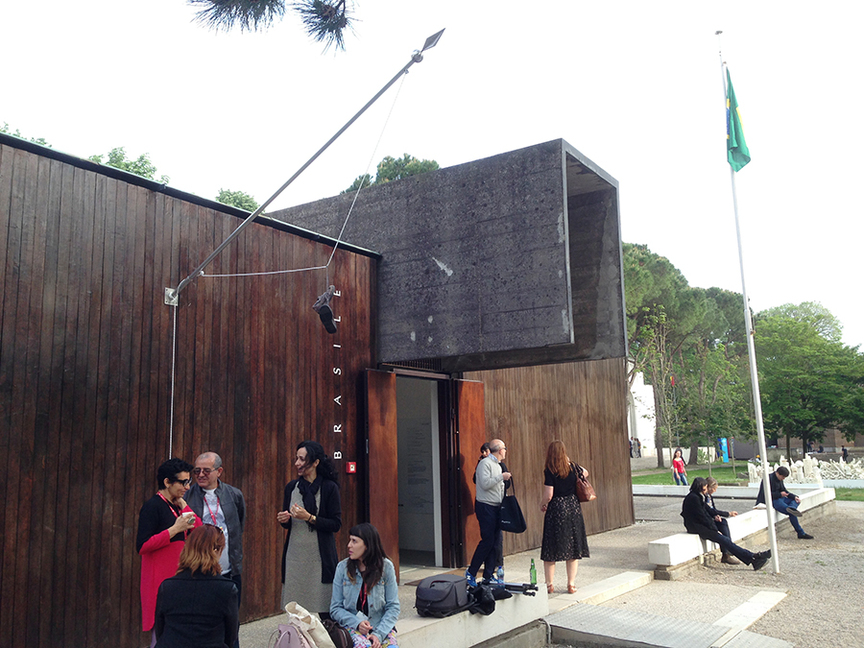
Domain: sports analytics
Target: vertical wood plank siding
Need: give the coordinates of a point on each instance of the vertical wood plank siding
(85, 368)
(584, 405)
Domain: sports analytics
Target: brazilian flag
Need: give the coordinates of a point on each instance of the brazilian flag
(736, 148)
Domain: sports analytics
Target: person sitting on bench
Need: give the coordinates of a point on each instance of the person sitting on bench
(784, 501)
(698, 520)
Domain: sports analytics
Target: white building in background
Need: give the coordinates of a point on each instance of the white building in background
(640, 415)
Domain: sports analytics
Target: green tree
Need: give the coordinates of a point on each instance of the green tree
(141, 166)
(36, 140)
(239, 199)
(391, 168)
(809, 380)
(661, 314)
(324, 20)
(712, 374)
(689, 344)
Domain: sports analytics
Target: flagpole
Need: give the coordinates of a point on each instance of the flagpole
(751, 351)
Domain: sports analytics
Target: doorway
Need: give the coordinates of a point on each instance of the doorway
(422, 436)
(419, 460)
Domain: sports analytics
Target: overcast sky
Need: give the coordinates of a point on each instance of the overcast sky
(635, 86)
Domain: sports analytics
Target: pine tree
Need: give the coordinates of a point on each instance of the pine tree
(324, 20)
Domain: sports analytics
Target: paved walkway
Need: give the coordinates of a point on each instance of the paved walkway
(732, 590)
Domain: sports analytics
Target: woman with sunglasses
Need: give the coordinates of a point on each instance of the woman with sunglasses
(198, 606)
(163, 524)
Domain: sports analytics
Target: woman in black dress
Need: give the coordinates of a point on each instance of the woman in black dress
(564, 536)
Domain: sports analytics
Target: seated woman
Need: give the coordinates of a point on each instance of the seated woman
(698, 520)
(365, 598)
(720, 519)
(198, 606)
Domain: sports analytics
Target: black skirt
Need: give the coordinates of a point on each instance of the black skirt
(564, 536)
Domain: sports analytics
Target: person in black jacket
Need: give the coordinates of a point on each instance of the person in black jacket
(312, 514)
(198, 606)
(720, 519)
(698, 520)
(784, 501)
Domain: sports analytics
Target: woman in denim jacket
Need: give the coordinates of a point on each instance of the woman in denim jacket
(365, 598)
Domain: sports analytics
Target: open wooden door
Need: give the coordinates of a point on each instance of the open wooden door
(382, 460)
(470, 435)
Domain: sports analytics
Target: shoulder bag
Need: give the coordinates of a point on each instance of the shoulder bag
(584, 489)
(512, 519)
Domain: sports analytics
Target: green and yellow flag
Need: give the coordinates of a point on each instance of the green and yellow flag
(736, 148)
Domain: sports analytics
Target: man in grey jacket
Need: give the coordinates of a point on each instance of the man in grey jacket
(222, 505)
(487, 508)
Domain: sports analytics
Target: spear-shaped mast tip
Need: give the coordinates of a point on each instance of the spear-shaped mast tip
(432, 41)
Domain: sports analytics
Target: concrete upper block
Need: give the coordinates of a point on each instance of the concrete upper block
(507, 261)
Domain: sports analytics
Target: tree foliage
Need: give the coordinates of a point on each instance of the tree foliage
(688, 343)
(324, 20)
(810, 381)
(141, 166)
(36, 140)
(239, 199)
(391, 168)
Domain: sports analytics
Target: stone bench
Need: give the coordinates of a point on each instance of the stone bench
(676, 554)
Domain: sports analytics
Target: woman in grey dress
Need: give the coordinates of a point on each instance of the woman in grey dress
(312, 514)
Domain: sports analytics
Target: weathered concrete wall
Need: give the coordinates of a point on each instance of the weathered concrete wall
(508, 261)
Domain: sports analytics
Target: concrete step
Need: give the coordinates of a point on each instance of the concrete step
(601, 591)
(590, 625)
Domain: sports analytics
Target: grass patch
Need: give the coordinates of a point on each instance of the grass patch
(723, 475)
(848, 494)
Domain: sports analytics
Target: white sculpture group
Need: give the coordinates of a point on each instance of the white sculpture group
(811, 470)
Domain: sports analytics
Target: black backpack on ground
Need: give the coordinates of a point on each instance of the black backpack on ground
(442, 595)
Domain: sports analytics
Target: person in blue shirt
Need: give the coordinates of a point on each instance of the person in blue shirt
(365, 596)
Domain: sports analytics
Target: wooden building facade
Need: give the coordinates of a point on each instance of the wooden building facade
(99, 383)
(86, 375)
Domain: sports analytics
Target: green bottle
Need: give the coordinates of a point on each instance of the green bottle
(533, 573)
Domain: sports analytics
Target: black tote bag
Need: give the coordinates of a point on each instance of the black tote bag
(512, 519)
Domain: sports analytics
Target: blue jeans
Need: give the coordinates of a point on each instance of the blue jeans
(680, 476)
(782, 505)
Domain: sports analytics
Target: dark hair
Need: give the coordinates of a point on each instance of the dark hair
(677, 450)
(374, 557)
(484, 448)
(314, 451)
(169, 470)
(783, 470)
(698, 484)
(201, 551)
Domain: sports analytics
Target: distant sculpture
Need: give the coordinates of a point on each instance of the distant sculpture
(806, 471)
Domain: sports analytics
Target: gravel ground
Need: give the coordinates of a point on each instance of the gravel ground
(824, 579)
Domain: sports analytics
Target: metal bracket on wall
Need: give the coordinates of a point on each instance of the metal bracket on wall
(172, 297)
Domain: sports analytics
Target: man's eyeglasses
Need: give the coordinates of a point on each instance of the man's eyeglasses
(206, 471)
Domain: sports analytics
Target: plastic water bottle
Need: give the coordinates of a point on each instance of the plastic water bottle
(533, 573)
(500, 574)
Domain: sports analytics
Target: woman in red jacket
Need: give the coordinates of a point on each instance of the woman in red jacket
(163, 524)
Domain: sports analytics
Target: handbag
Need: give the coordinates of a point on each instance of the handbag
(584, 489)
(308, 624)
(339, 634)
(287, 636)
(512, 519)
